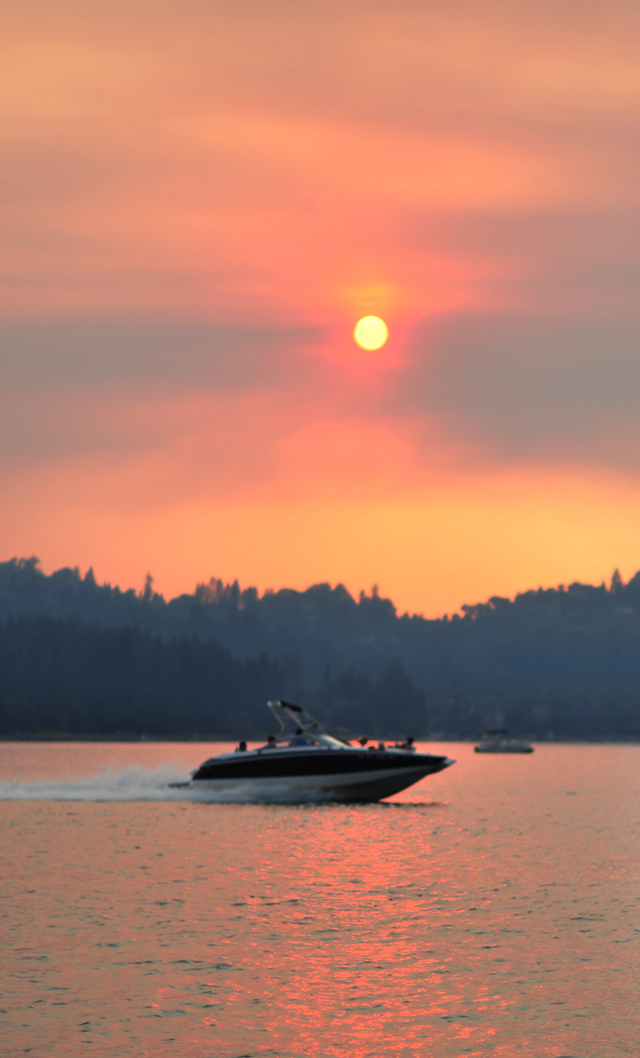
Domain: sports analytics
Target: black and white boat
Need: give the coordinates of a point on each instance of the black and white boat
(304, 763)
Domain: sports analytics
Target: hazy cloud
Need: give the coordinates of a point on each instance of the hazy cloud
(555, 261)
(41, 355)
(526, 387)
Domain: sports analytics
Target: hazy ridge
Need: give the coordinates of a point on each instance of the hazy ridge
(78, 656)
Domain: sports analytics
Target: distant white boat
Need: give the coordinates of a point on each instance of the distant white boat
(497, 740)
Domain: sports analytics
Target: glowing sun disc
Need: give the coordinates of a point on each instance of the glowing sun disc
(371, 332)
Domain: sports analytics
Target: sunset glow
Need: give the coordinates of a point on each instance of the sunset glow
(199, 205)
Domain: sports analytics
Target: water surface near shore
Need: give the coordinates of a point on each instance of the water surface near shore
(490, 910)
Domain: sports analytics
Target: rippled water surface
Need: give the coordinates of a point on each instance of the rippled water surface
(490, 910)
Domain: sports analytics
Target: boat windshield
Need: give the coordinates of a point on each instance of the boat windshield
(299, 728)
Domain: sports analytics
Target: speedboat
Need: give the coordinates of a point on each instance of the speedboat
(305, 763)
(497, 740)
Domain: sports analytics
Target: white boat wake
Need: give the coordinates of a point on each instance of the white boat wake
(129, 784)
(139, 784)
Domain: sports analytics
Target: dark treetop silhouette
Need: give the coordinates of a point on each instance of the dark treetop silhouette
(77, 656)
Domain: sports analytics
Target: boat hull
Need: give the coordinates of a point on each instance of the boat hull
(504, 749)
(372, 785)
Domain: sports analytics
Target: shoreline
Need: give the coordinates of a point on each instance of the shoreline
(194, 739)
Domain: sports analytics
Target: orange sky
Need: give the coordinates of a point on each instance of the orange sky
(200, 200)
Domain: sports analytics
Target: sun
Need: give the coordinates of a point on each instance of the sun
(371, 332)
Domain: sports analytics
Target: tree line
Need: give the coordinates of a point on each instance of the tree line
(61, 677)
(559, 662)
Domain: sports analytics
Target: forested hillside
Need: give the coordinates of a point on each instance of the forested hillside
(557, 662)
(58, 676)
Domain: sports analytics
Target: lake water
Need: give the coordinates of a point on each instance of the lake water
(490, 910)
